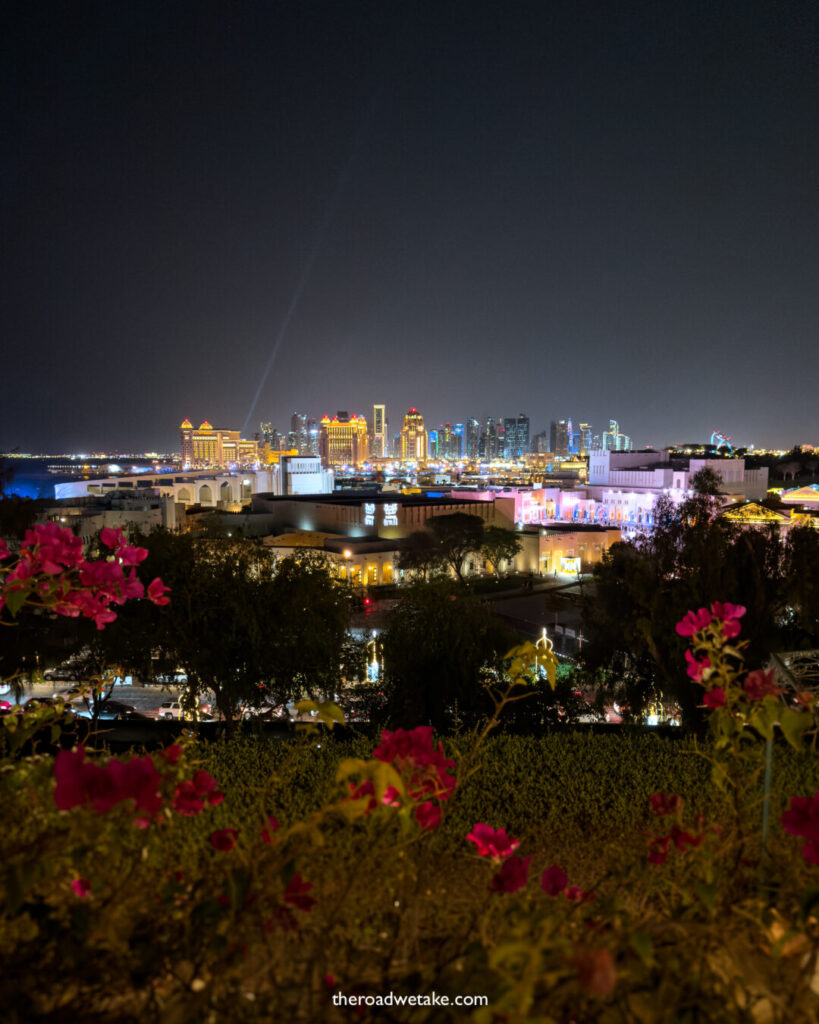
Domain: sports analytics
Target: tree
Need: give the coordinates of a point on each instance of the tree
(421, 555)
(643, 588)
(458, 535)
(238, 625)
(500, 546)
(437, 645)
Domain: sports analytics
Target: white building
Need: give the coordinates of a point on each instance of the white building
(293, 475)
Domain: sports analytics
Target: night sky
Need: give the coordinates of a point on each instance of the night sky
(595, 210)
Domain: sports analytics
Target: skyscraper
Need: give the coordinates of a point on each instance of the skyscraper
(559, 437)
(343, 440)
(413, 437)
(297, 438)
(380, 431)
(473, 438)
(586, 438)
(458, 441)
(613, 440)
(515, 436)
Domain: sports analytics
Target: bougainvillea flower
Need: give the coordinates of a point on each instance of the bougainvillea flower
(577, 895)
(696, 666)
(157, 591)
(110, 537)
(658, 850)
(428, 815)
(715, 698)
(224, 839)
(513, 875)
(414, 755)
(271, 827)
(296, 893)
(693, 622)
(171, 753)
(491, 843)
(596, 972)
(665, 803)
(554, 880)
(726, 611)
(759, 684)
(81, 886)
(802, 818)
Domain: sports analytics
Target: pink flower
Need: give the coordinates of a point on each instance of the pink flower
(156, 592)
(693, 622)
(224, 840)
(802, 819)
(172, 753)
(759, 684)
(715, 698)
(513, 875)
(665, 803)
(81, 886)
(267, 832)
(696, 667)
(682, 840)
(130, 555)
(190, 795)
(428, 815)
(554, 880)
(490, 843)
(577, 895)
(111, 538)
(296, 893)
(726, 611)
(414, 756)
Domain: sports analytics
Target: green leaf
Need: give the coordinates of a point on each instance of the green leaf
(643, 946)
(15, 599)
(793, 725)
(707, 894)
(350, 766)
(766, 716)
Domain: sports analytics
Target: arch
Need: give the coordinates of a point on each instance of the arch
(205, 495)
(226, 492)
(183, 495)
(247, 490)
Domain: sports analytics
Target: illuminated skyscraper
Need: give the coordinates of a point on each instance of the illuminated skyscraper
(559, 437)
(613, 440)
(297, 438)
(413, 438)
(209, 447)
(473, 438)
(380, 432)
(343, 440)
(586, 438)
(515, 436)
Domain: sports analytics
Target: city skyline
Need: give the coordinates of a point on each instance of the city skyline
(472, 209)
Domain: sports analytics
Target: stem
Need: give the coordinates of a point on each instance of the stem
(766, 810)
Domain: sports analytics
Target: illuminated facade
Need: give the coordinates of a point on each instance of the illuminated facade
(343, 440)
(414, 442)
(380, 432)
(209, 447)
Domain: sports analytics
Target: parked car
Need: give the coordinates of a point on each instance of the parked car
(172, 709)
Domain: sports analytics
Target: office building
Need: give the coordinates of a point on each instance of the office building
(343, 440)
(414, 441)
(208, 447)
(380, 432)
(515, 436)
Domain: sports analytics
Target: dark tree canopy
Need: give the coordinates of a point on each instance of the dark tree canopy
(437, 644)
(458, 535)
(500, 546)
(693, 558)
